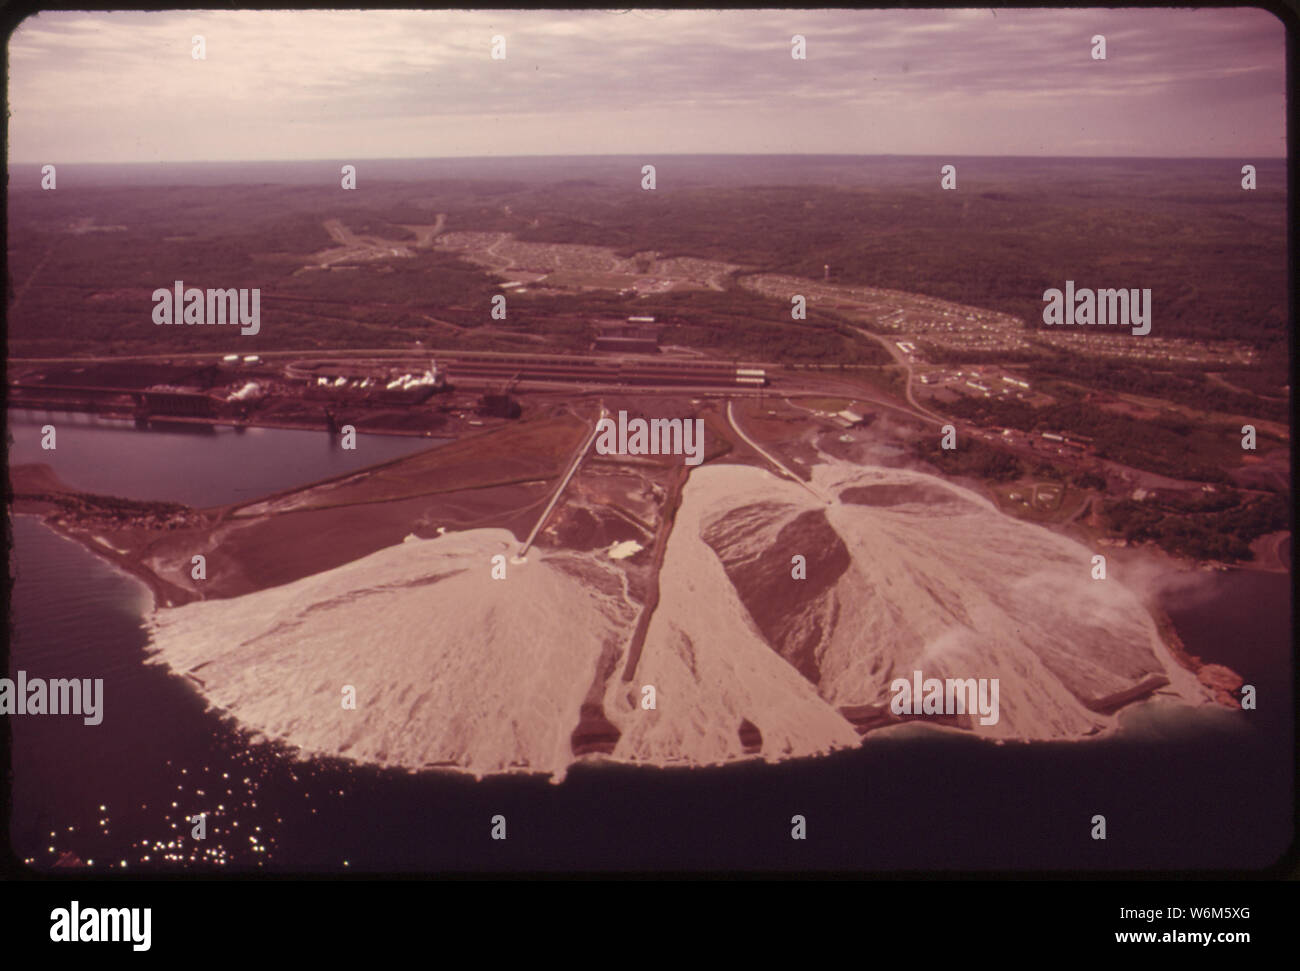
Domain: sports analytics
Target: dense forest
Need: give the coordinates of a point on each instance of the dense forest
(973, 459)
(1214, 527)
(1167, 445)
(1187, 385)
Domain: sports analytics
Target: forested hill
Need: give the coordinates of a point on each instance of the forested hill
(1213, 254)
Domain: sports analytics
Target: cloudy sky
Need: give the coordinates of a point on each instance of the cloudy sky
(93, 87)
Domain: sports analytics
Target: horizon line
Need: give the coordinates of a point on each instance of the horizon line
(648, 155)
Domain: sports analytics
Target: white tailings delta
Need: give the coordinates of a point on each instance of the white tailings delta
(453, 668)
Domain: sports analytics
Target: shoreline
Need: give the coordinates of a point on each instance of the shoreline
(904, 731)
(1217, 679)
(121, 563)
(166, 594)
(451, 431)
(158, 590)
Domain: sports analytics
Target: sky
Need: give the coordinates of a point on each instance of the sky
(125, 87)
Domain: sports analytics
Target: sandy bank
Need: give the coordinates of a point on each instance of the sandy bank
(450, 667)
(455, 669)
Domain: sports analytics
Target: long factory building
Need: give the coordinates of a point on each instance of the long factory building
(507, 368)
(603, 370)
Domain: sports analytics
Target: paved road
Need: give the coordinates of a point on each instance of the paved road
(26, 285)
(780, 467)
(423, 239)
(854, 392)
(573, 467)
(901, 358)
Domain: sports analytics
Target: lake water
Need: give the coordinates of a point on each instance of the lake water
(201, 465)
(1208, 789)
